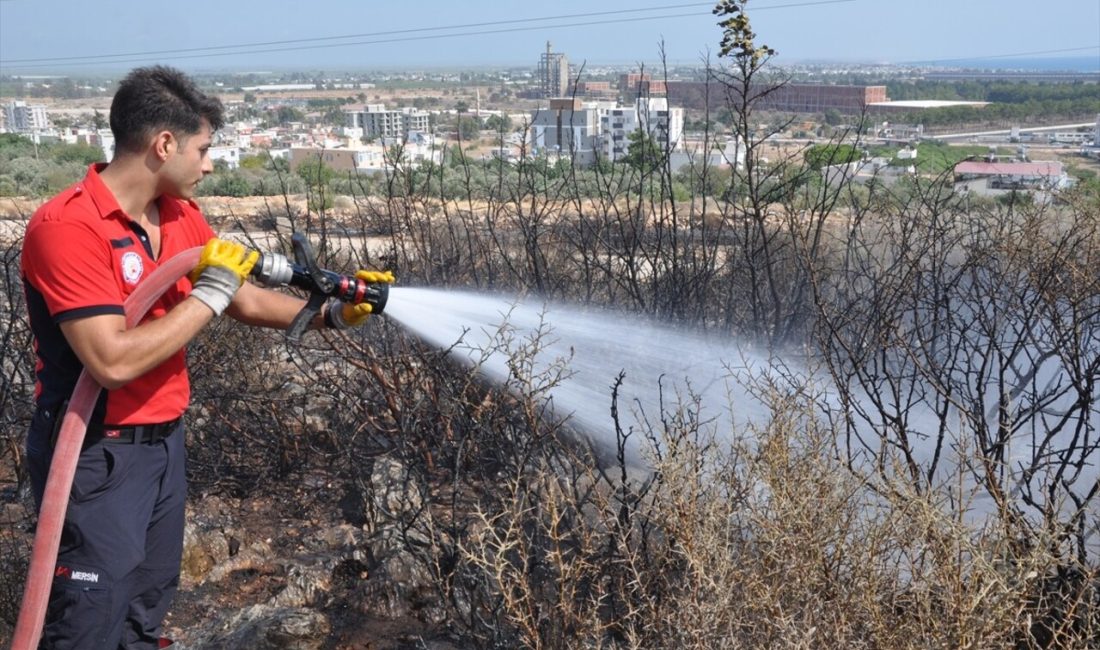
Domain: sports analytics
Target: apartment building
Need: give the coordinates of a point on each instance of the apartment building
(652, 115)
(585, 130)
(21, 117)
(377, 122)
(568, 127)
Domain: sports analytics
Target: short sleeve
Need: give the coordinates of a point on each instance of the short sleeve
(71, 266)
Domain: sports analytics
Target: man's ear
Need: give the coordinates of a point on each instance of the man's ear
(164, 145)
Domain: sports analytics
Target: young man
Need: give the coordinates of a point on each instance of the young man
(85, 251)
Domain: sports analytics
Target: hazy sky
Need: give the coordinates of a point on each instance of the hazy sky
(32, 31)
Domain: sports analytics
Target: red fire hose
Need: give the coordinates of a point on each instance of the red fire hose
(47, 538)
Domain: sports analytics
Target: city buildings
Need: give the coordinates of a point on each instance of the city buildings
(1093, 150)
(356, 160)
(640, 84)
(599, 90)
(377, 122)
(864, 171)
(411, 149)
(587, 130)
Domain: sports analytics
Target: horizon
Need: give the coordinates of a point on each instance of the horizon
(1083, 65)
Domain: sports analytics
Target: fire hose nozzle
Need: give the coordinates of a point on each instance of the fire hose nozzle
(275, 270)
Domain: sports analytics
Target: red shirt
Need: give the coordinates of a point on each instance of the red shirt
(82, 256)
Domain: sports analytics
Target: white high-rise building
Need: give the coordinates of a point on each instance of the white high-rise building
(377, 122)
(20, 117)
(651, 115)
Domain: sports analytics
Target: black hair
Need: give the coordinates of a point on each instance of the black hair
(159, 98)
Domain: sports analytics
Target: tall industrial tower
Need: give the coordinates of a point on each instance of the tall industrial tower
(553, 73)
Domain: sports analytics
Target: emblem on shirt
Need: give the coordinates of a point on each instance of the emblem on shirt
(132, 267)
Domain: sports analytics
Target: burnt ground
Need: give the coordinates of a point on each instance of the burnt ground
(287, 520)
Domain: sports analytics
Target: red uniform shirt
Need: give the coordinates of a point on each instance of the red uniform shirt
(82, 256)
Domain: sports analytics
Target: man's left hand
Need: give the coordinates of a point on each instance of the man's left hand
(343, 316)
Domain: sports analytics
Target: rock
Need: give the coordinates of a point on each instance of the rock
(306, 581)
(399, 582)
(256, 556)
(394, 494)
(209, 538)
(267, 627)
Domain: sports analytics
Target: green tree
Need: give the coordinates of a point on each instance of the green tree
(253, 162)
(287, 114)
(335, 115)
(85, 154)
(13, 145)
(62, 122)
(467, 127)
(821, 155)
(498, 123)
(317, 176)
(642, 152)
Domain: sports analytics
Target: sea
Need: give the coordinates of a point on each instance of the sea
(1089, 63)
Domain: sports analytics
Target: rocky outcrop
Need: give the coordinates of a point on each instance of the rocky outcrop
(267, 627)
(286, 583)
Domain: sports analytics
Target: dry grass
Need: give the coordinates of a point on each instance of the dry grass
(766, 541)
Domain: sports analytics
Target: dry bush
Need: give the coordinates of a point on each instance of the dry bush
(16, 391)
(765, 540)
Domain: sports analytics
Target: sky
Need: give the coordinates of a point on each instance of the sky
(66, 36)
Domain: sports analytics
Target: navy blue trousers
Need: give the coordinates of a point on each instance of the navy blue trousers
(119, 561)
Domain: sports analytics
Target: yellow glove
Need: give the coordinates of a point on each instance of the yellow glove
(350, 315)
(354, 315)
(374, 277)
(222, 268)
(226, 254)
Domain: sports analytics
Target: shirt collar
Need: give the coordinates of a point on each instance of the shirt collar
(107, 204)
(99, 193)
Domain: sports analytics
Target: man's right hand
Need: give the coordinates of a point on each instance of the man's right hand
(222, 268)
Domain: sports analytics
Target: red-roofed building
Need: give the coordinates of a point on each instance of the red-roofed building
(993, 178)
